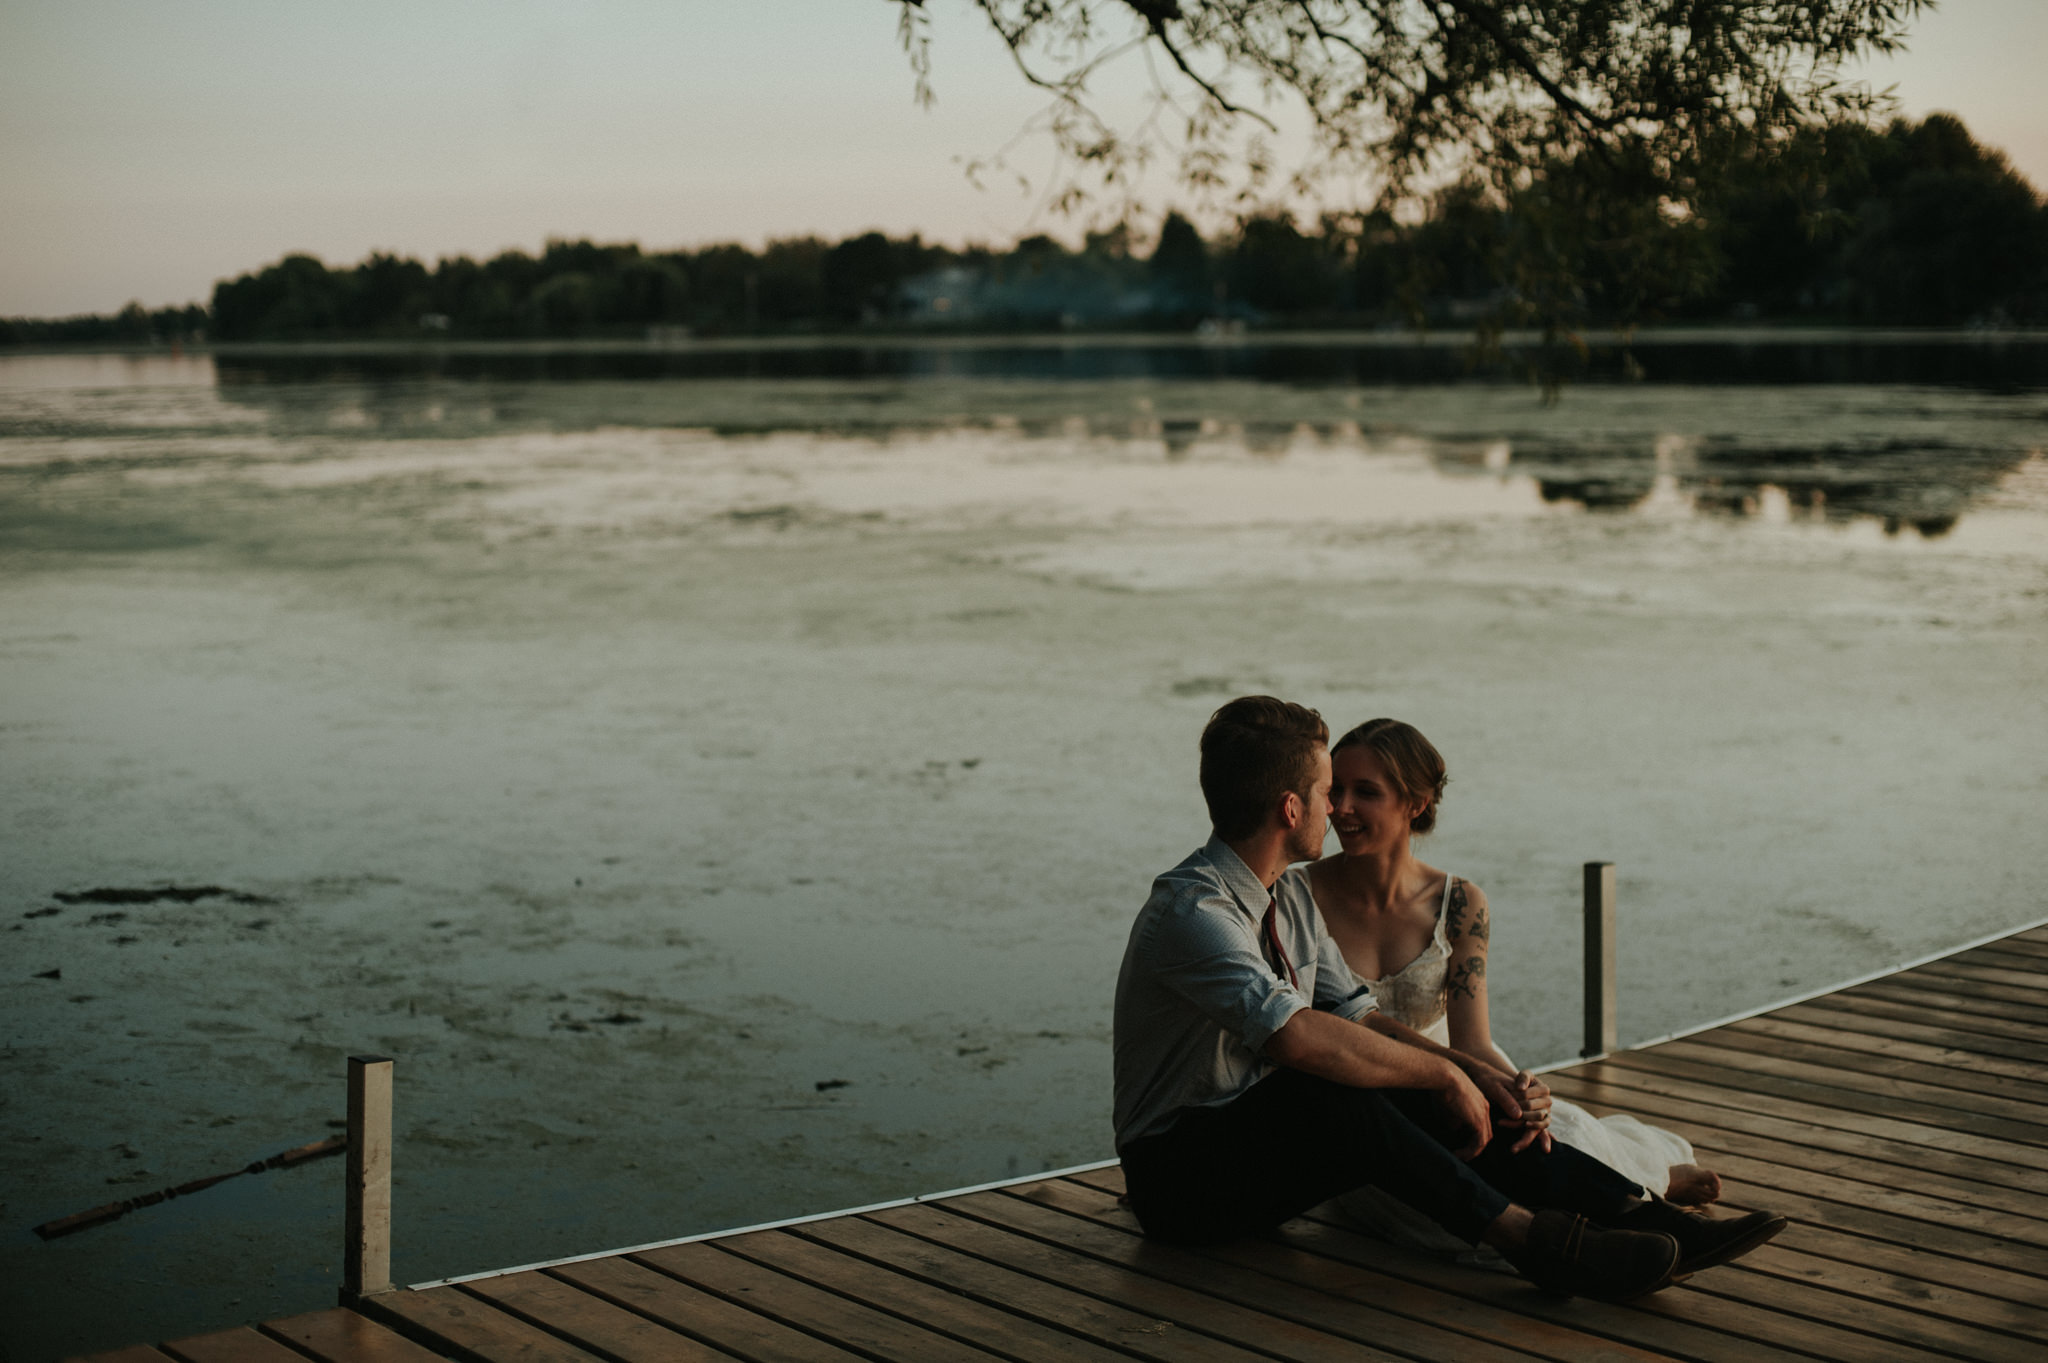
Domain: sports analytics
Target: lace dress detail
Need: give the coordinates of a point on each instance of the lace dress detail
(1414, 994)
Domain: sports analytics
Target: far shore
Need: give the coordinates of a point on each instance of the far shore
(1386, 338)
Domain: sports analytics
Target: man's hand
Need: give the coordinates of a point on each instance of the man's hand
(1500, 1091)
(1469, 1108)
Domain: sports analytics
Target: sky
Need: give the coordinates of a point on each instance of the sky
(151, 147)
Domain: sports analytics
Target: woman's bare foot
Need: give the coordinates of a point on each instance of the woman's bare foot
(1693, 1186)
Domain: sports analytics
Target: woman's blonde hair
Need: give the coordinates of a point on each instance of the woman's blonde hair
(1413, 764)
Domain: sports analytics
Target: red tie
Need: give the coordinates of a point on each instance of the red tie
(1271, 929)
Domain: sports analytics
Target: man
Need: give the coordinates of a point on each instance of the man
(1255, 1079)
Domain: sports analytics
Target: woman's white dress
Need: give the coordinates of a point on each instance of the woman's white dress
(1414, 995)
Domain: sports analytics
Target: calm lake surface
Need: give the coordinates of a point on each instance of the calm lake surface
(724, 777)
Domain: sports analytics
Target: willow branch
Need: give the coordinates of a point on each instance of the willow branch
(1489, 23)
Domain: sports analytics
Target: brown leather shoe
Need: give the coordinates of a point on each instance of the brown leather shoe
(1702, 1240)
(1569, 1255)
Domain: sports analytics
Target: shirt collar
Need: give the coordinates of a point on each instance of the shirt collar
(1237, 877)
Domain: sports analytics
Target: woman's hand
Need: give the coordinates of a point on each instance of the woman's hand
(1532, 1096)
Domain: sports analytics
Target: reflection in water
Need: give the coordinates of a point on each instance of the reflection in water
(1618, 493)
(1990, 361)
(1926, 485)
(1917, 449)
(1840, 468)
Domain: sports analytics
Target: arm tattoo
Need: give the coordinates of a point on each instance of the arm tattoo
(1455, 913)
(1467, 979)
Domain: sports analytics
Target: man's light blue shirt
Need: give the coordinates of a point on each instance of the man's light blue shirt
(1197, 999)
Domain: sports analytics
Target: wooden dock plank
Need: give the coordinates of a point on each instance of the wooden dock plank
(1734, 1153)
(1870, 1030)
(1841, 1102)
(1864, 1047)
(2020, 1232)
(1977, 971)
(812, 1309)
(2009, 958)
(1973, 1088)
(2007, 1119)
(1963, 1245)
(133, 1353)
(339, 1335)
(2015, 1005)
(458, 1325)
(590, 1322)
(239, 1345)
(1976, 1026)
(1479, 1320)
(686, 1310)
(2026, 1317)
(1699, 1339)
(1677, 1321)
(983, 1280)
(1182, 1310)
(1900, 1261)
(1285, 1286)
(1905, 1332)
(2009, 947)
(1001, 1330)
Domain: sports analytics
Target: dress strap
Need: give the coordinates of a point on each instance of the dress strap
(1443, 912)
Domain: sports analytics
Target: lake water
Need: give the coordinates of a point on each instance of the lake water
(723, 778)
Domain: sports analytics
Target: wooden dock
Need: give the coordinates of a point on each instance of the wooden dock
(1902, 1123)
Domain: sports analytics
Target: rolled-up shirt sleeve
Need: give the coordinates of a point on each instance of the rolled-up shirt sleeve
(1215, 965)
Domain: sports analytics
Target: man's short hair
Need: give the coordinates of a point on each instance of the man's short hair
(1255, 750)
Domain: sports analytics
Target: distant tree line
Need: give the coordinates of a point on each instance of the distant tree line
(1913, 223)
(133, 325)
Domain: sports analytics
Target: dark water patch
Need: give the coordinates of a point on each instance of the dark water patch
(564, 1022)
(177, 894)
(32, 529)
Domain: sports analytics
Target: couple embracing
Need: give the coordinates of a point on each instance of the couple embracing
(1261, 1070)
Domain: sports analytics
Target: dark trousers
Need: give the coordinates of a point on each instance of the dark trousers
(1292, 1141)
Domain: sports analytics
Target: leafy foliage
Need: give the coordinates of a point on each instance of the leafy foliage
(1417, 91)
(1599, 123)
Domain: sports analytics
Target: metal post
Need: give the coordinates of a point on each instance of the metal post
(366, 1267)
(1601, 1036)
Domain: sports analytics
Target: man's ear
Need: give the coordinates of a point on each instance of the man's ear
(1292, 810)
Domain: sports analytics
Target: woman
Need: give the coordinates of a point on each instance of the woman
(1420, 937)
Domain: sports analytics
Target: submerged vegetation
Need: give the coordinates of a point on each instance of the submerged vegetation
(1912, 224)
